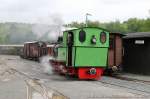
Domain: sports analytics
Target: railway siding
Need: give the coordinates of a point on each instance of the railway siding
(106, 88)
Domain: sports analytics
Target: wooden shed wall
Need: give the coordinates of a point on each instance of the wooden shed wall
(137, 56)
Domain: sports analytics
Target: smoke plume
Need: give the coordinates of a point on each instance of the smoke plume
(48, 28)
(47, 67)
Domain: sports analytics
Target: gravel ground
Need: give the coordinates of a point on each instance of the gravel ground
(13, 86)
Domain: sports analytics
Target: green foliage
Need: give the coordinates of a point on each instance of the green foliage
(18, 33)
(116, 27)
(15, 33)
(129, 26)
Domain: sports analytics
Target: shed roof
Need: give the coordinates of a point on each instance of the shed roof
(117, 33)
(87, 27)
(137, 35)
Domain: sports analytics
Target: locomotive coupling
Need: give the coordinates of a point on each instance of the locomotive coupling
(92, 71)
(114, 68)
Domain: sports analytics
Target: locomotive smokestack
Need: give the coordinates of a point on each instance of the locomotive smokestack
(86, 19)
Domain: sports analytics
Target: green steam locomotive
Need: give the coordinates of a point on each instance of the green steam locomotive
(83, 53)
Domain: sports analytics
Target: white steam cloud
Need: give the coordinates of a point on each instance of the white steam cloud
(48, 27)
(45, 62)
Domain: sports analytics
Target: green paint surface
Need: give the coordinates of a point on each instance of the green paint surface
(91, 57)
(65, 39)
(85, 53)
(89, 33)
(61, 54)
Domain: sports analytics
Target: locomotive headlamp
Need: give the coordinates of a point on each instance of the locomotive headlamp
(103, 37)
(93, 40)
(92, 71)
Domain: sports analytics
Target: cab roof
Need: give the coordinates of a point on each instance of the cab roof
(87, 27)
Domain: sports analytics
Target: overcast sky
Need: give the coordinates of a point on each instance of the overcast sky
(73, 10)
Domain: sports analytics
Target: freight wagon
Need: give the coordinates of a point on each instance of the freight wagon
(115, 53)
(34, 50)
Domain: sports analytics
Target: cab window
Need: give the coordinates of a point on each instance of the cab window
(82, 36)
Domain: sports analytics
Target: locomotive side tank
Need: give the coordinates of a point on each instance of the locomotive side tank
(83, 52)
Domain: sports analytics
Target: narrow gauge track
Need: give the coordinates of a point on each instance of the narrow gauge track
(123, 85)
(131, 79)
(148, 92)
(97, 82)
